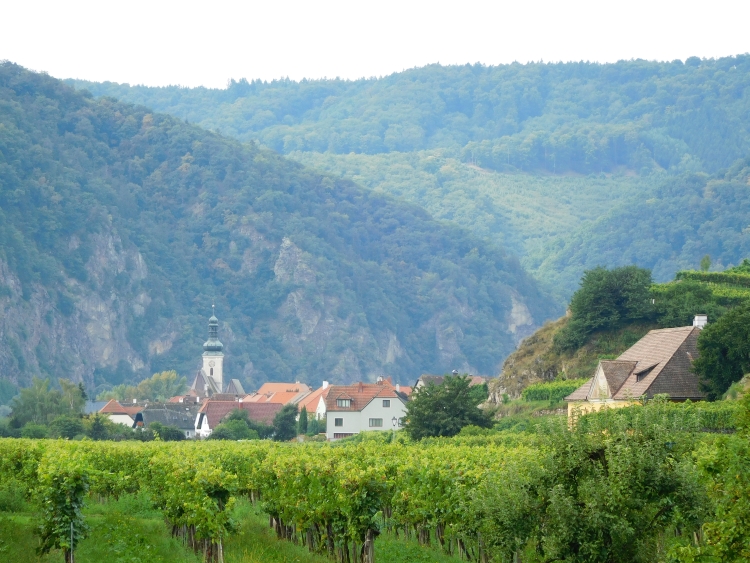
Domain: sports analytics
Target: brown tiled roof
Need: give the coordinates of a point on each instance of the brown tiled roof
(582, 393)
(360, 394)
(660, 362)
(669, 353)
(616, 372)
(215, 411)
(405, 389)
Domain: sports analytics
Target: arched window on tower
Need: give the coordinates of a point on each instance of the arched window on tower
(212, 371)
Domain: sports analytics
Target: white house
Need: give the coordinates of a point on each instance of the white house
(352, 409)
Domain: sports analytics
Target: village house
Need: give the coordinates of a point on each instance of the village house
(315, 402)
(659, 363)
(180, 415)
(352, 409)
(119, 413)
(212, 413)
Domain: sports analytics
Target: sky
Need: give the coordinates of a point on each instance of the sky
(191, 43)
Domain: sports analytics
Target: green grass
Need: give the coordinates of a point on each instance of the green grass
(130, 531)
(255, 542)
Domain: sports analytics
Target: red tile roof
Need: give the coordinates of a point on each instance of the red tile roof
(311, 401)
(114, 407)
(215, 411)
(360, 395)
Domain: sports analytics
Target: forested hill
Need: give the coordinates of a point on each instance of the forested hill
(582, 117)
(119, 227)
(530, 156)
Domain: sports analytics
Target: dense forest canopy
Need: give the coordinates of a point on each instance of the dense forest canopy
(550, 160)
(119, 227)
(582, 117)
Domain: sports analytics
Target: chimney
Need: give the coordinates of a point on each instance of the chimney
(325, 385)
(398, 388)
(135, 401)
(700, 321)
(380, 380)
(360, 387)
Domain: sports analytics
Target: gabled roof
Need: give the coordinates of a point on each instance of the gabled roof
(114, 407)
(310, 402)
(181, 416)
(360, 395)
(660, 362)
(235, 387)
(616, 372)
(203, 386)
(282, 393)
(215, 411)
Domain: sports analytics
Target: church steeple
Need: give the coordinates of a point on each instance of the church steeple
(213, 344)
(213, 355)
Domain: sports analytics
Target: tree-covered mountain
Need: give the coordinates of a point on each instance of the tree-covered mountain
(582, 117)
(528, 155)
(119, 227)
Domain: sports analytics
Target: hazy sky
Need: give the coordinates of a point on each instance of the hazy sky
(160, 42)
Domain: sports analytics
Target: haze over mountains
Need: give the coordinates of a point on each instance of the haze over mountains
(543, 158)
(120, 226)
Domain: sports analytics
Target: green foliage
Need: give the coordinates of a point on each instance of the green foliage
(36, 431)
(167, 433)
(159, 387)
(234, 430)
(39, 404)
(552, 391)
(303, 421)
(724, 348)
(314, 427)
(285, 423)
(582, 117)
(606, 300)
(63, 485)
(453, 139)
(202, 217)
(7, 391)
(12, 495)
(97, 427)
(443, 410)
(66, 427)
(705, 263)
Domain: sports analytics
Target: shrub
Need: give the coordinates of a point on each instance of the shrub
(552, 391)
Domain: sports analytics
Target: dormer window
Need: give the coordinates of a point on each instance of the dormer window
(344, 403)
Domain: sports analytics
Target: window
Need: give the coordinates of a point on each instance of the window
(338, 421)
(345, 403)
(339, 435)
(376, 423)
(212, 371)
(386, 403)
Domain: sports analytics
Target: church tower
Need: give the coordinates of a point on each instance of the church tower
(213, 356)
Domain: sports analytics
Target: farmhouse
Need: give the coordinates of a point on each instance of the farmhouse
(352, 409)
(659, 363)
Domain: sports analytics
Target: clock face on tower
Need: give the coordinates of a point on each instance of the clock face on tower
(211, 363)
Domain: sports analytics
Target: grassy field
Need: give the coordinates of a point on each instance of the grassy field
(129, 531)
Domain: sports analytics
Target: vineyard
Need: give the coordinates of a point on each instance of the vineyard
(610, 489)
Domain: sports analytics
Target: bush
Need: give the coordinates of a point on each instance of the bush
(66, 427)
(34, 431)
(552, 391)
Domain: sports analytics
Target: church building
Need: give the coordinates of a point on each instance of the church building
(210, 378)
